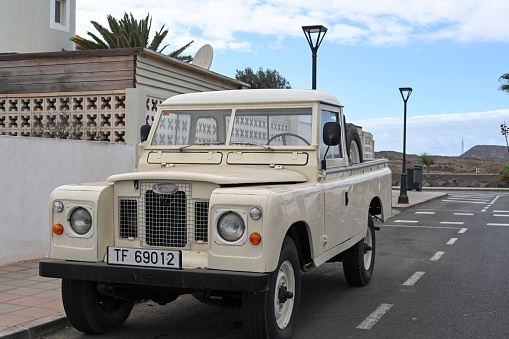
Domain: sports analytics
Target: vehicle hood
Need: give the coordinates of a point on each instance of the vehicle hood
(220, 174)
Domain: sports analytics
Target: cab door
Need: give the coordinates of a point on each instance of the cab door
(336, 191)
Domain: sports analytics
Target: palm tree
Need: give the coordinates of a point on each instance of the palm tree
(505, 132)
(504, 87)
(427, 160)
(128, 32)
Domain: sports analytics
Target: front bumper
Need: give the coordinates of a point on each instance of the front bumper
(192, 279)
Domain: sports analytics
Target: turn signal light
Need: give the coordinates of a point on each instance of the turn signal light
(255, 238)
(58, 229)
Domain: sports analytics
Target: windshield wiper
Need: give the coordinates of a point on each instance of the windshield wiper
(252, 144)
(200, 144)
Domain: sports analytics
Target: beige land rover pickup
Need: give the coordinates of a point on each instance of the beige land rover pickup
(236, 194)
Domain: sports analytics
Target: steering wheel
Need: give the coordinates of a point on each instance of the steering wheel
(284, 139)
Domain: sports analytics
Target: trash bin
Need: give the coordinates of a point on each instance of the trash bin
(414, 178)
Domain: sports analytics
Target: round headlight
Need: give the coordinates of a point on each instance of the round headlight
(58, 206)
(81, 220)
(231, 226)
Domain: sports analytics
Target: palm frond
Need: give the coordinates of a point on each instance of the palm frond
(123, 40)
(128, 32)
(113, 23)
(504, 78)
(98, 41)
(135, 40)
(84, 44)
(110, 38)
(176, 53)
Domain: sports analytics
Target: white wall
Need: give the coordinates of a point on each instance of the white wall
(28, 26)
(29, 171)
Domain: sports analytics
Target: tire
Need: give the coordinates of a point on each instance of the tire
(89, 311)
(264, 314)
(359, 260)
(353, 144)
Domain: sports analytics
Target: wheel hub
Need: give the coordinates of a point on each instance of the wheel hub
(284, 294)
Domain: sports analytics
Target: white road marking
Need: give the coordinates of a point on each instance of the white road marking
(469, 197)
(426, 209)
(372, 319)
(466, 194)
(437, 256)
(489, 224)
(463, 213)
(424, 212)
(413, 279)
(500, 215)
(408, 221)
(471, 202)
(463, 230)
(412, 226)
(452, 241)
(452, 222)
(500, 211)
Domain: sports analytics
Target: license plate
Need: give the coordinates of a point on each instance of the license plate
(142, 257)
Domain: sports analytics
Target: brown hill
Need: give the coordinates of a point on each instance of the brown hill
(443, 164)
(487, 151)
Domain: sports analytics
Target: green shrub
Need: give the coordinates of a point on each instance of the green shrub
(504, 173)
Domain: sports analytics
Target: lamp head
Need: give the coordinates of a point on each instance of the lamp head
(319, 30)
(405, 91)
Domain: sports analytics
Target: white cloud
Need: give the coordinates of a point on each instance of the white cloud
(437, 134)
(387, 22)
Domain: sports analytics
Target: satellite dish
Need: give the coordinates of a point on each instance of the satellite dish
(203, 57)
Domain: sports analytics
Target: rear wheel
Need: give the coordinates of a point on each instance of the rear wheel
(272, 314)
(359, 260)
(91, 312)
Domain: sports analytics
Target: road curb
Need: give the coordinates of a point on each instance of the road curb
(36, 328)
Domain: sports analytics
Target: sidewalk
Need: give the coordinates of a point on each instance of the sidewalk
(414, 197)
(31, 306)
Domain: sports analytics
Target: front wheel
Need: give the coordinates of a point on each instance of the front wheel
(272, 314)
(359, 260)
(91, 312)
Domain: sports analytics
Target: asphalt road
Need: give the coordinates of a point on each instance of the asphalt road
(441, 272)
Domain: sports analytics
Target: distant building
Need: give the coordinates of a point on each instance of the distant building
(369, 145)
(30, 26)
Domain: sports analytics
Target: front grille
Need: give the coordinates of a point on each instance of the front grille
(164, 220)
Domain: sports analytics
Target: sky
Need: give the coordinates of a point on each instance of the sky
(451, 52)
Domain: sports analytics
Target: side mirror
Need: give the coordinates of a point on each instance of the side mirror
(331, 134)
(331, 137)
(144, 132)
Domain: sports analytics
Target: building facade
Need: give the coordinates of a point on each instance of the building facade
(30, 26)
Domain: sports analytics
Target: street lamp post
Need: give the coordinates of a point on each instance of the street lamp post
(403, 197)
(320, 31)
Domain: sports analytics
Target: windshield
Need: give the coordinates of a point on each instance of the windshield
(192, 127)
(271, 126)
